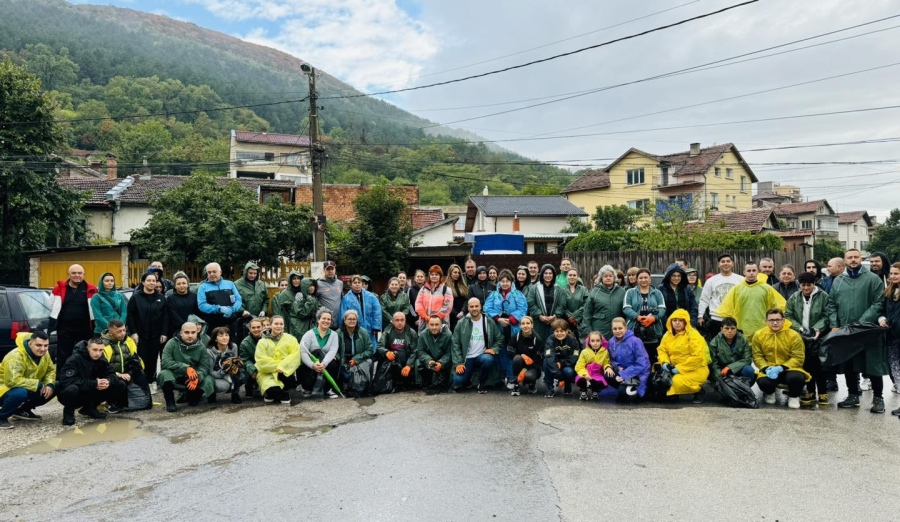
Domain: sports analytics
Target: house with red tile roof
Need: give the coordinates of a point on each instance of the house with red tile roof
(713, 178)
(269, 155)
(853, 230)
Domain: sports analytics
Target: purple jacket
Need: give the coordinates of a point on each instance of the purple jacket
(629, 353)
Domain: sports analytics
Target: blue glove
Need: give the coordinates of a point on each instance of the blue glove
(667, 367)
(772, 372)
(226, 311)
(674, 370)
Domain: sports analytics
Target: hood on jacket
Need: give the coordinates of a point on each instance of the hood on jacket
(100, 289)
(885, 263)
(196, 320)
(247, 267)
(628, 334)
(549, 267)
(683, 314)
(295, 273)
(305, 283)
(674, 267)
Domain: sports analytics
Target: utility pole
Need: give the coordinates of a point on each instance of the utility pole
(316, 153)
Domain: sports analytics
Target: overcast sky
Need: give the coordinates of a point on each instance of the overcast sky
(378, 45)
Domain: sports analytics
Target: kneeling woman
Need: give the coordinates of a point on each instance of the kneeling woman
(629, 362)
(591, 367)
(684, 352)
(525, 349)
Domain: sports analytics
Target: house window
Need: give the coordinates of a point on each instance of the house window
(540, 248)
(718, 172)
(806, 224)
(714, 199)
(298, 160)
(864, 245)
(729, 174)
(635, 177)
(640, 204)
(855, 228)
(743, 183)
(854, 245)
(250, 155)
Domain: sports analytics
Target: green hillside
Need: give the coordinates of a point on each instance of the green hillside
(103, 61)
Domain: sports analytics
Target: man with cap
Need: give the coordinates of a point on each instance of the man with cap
(365, 281)
(330, 290)
(714, 291)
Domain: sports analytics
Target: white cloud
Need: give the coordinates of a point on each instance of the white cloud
(368, 44)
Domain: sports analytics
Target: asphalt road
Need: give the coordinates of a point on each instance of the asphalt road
(457, 457)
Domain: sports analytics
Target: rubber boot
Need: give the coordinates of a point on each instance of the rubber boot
(68, 416)
(169, 394)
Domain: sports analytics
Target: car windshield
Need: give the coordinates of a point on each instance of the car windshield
(35, 304)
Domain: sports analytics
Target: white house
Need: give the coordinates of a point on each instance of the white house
(269, 155)
(853, 230)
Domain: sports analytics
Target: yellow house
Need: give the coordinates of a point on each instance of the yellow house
(715, 178)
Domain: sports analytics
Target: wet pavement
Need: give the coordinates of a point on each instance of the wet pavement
(457, 457)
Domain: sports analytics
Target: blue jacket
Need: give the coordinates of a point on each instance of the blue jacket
(629, 353)
(514, 304)
(634, 302)
(220, 299)
(369, 314)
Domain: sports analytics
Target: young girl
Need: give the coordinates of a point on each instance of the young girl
(592, 363)
(223, 355)
(525, 350)
(560, 355)
(628, 362)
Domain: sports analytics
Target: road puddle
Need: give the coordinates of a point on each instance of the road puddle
(290, 419)
(112, 431)
(294, 430)
(365, 401)
(184, 437)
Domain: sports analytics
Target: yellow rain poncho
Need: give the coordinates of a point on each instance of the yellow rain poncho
(18, 369)
(273, 356)
(782, 348)
(747, 303)
(686, 351)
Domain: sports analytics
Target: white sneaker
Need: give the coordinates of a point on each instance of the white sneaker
(865, 385)
(510, 385)
(794, 403)
(895, 388)
(153, 387)
(769, 398)
(331, 395)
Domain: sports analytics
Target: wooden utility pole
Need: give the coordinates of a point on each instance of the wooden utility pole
(316, 157)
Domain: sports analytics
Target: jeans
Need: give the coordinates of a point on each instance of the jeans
(484, 363)
(505, 362)
(20, 399)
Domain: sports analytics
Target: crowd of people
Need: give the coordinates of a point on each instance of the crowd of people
(469, 327)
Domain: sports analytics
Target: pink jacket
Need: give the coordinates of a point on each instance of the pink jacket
(434, 302)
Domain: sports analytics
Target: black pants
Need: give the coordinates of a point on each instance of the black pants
(149, 350)
(71, 397)
(289, 382)
(813, 366)
(852, 379)
(652, 352)
(66, 339)
(307, 376)
(532, 373)
(432, 379)
(793, 379)
(193, 396)
(711, 328)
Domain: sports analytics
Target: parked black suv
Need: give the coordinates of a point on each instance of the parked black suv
(23, 309)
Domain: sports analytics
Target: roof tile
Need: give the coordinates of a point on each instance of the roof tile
(271, 138)
(753, 220)
(422, 217)
(526, 206)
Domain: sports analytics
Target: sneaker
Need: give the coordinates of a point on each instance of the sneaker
(285, 397)
(877, 405)
(699, 397)
(550, 393)
(510, 384)
(515, 391)
(794, 403)
(26, 415)
(831, 385)
(769, 398)
(92, 413)
(865, 384)
(267, 399)
(532, 388)
(236, 398)
(823, 399)
(807, 399)
(567, 389)
(852, 401)
(595, 396)
(114, 409)
(583, 396)
(5, 424)
(895, 388)
(331, 395)
(304, 393)
(482, 389)
(896, 412)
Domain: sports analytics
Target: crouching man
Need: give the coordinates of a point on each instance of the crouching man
(185, 365)
(430, 362)
(87, 380)
(121, 352)
(27, 378)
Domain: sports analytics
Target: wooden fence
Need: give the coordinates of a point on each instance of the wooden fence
(705, 261)
(196, 272)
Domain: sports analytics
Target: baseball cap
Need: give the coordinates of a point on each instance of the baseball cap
(330, 264)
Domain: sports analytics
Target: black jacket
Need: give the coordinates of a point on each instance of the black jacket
(532, 346)
(892, 316)
(481, 290)
(565, 351)
(180, 307)
(82, 371)
(148, 316)
(786, 291)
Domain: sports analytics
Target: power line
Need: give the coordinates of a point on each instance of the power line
(549, 58)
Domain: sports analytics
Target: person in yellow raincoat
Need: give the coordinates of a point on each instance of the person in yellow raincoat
(277, 360)
(27, 378)
(778, 353)
(684, 352)
(748, 301)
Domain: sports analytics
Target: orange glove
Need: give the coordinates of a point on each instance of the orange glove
(562, 384)
(405, 371)
(192, 374)
(390, 356)
(521, 376)
(352, 363)
(528, 360)
(438, 367)
(572, 321)
(192, 385)
(649, 320)
(460, 369)
(725, 371)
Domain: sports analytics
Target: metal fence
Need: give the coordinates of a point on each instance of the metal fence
(705, 261)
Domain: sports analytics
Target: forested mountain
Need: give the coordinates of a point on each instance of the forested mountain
(161, 81)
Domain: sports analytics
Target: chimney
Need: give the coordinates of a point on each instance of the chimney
(516, 222)
(112, 167)
(485, 191)
(695, 149)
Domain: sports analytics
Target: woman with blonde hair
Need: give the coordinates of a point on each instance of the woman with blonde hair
(460, 290)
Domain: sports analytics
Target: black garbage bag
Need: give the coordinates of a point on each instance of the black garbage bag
(841, 345)
(383, 378)
(138, 398)
(661, 380)
(736, 392)
(360, 382)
